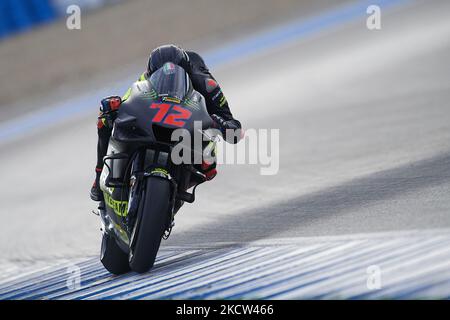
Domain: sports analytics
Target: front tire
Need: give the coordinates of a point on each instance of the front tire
(151, 224)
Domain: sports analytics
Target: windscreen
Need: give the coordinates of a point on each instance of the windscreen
(171, 80)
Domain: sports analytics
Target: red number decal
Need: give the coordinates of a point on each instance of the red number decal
(182, 114)
(163, 109)
(174, 119)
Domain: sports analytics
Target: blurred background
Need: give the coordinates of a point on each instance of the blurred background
(363, 115)
(114, 35)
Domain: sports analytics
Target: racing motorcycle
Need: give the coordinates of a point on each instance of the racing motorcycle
(143, 187)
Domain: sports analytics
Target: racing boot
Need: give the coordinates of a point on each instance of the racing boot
(209, 170)
(96, 194)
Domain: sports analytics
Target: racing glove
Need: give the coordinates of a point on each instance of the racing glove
(230, 129)
(108, 110)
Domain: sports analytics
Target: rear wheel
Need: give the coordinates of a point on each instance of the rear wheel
(112, 257)
(150, 225)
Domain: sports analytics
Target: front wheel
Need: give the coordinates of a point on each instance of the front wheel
(151, 224)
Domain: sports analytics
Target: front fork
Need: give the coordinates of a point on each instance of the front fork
(140, 171)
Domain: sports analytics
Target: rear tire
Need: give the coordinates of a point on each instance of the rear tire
(112, 257)
(151, 224)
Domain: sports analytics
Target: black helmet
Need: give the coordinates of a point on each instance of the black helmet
(167, 53)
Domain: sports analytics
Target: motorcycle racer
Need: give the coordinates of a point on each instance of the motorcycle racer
(202, 81)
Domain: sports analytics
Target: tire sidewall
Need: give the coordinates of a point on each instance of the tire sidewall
(150, 224)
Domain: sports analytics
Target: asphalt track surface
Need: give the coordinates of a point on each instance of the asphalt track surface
(364, 150)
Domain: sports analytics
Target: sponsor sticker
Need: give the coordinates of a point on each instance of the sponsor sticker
(211, 84)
